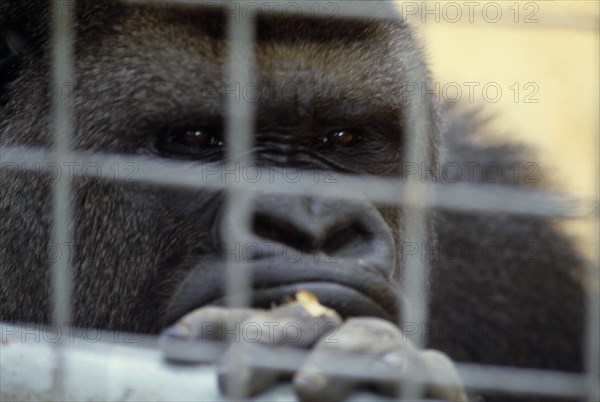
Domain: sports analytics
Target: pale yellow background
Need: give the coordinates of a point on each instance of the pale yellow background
(559, 53)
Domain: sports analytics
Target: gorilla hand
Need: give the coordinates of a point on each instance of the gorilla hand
(376, 351)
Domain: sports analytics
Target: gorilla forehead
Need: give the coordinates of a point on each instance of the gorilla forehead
(307, 78)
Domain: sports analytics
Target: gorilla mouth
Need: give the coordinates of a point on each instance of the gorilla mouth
(343, 299)
(347, 287)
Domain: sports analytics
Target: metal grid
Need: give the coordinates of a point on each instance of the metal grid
(416, 197)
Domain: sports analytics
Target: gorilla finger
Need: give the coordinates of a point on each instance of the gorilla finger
(357, 336)
(397, 369)
(293, 326)
(311, 383)
(429, 372)
(325, 374)
(201, 335)
(445, 383)
(300, 323)
(239, 377)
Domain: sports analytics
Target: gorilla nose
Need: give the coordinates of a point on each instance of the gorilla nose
(336, 228)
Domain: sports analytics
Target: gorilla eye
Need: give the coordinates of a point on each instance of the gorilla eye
(342, 138)
(190, 141)
(196, 137)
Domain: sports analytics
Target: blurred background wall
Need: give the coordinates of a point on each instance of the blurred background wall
(543, 56)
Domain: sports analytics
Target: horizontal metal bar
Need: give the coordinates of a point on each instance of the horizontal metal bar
(468, 197)
(111, 366)
(385, 10)
(416, 12)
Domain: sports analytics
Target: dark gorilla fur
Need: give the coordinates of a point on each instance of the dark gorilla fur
(138, 69)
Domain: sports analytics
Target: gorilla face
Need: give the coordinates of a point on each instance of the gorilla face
(328, 100)
(150, 81)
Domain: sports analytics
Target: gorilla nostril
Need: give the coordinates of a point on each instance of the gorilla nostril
(347, 240)
(346, 237)
(282, 231)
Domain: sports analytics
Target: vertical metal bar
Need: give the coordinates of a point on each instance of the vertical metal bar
(417, 196)
(592, 349)
(239, 130)
(61, 127)
(416, 200)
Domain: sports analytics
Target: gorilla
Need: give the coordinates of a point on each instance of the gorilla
(149, 81)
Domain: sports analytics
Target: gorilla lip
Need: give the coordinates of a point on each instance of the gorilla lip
(345, 300)
(344, 286)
